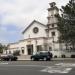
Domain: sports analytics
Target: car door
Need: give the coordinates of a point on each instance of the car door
(41, 56)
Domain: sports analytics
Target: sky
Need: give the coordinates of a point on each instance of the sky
(16, 15)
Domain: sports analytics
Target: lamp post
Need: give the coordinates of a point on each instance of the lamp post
(36, 45)
(53, 43)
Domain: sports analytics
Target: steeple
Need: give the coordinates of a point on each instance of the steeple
(52, 11)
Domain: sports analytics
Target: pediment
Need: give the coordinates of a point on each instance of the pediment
(32, 23)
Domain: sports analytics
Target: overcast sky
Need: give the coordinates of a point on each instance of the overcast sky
(16, 15)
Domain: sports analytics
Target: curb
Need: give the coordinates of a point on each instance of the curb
(54, 59)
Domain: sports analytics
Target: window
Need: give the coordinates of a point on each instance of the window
(52, 15)
(22, 49)
(39, 48)
(9, 52)
(53, 33)
(35, 29)
(52, 25)
(50, 48)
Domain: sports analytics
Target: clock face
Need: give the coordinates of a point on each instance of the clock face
(35, 29)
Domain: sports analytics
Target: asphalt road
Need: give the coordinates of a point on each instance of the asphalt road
(37, 67)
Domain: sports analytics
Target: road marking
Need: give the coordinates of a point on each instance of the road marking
(10, 65)
(3, 63)
(57, 69)
(66, 64)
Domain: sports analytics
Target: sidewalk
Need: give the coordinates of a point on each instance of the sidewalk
(53, 59)
(64, 59)
(27, 57)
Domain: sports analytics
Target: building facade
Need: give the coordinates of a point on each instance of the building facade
(38, 37)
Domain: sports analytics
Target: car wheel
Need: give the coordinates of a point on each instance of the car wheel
(49, 59)
(15, 59)
(45, 59)
(7, 59)
(2, 59)
(10, 59)
(32, 59)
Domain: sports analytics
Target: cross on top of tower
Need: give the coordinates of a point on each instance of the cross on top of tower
(52, 4)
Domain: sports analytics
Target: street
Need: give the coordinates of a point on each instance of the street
(37, 67)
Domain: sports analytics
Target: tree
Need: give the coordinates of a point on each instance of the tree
(2, 47)
(66, 24)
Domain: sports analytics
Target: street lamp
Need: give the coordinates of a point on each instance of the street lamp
(53, 43)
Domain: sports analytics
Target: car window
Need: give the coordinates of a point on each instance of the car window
(38, 53)
(41, 53)
(10, 55)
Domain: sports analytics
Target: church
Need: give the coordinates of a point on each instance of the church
(39, 37)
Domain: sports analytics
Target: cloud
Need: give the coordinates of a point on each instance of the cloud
(19, 13)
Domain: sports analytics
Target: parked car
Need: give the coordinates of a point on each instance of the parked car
(42, 55)
(8, 57)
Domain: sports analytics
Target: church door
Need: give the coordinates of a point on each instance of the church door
(30, 49)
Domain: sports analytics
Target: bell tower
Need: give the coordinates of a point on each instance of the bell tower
(52, 11)
(51, 30)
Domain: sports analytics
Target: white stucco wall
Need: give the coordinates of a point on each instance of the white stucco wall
(23, 44)
(56, 34)
(52, 12)
(13, 47)
(30, 34)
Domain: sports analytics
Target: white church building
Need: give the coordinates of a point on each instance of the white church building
(38, 37)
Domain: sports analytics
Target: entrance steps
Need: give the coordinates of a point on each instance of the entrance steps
(24, 57)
